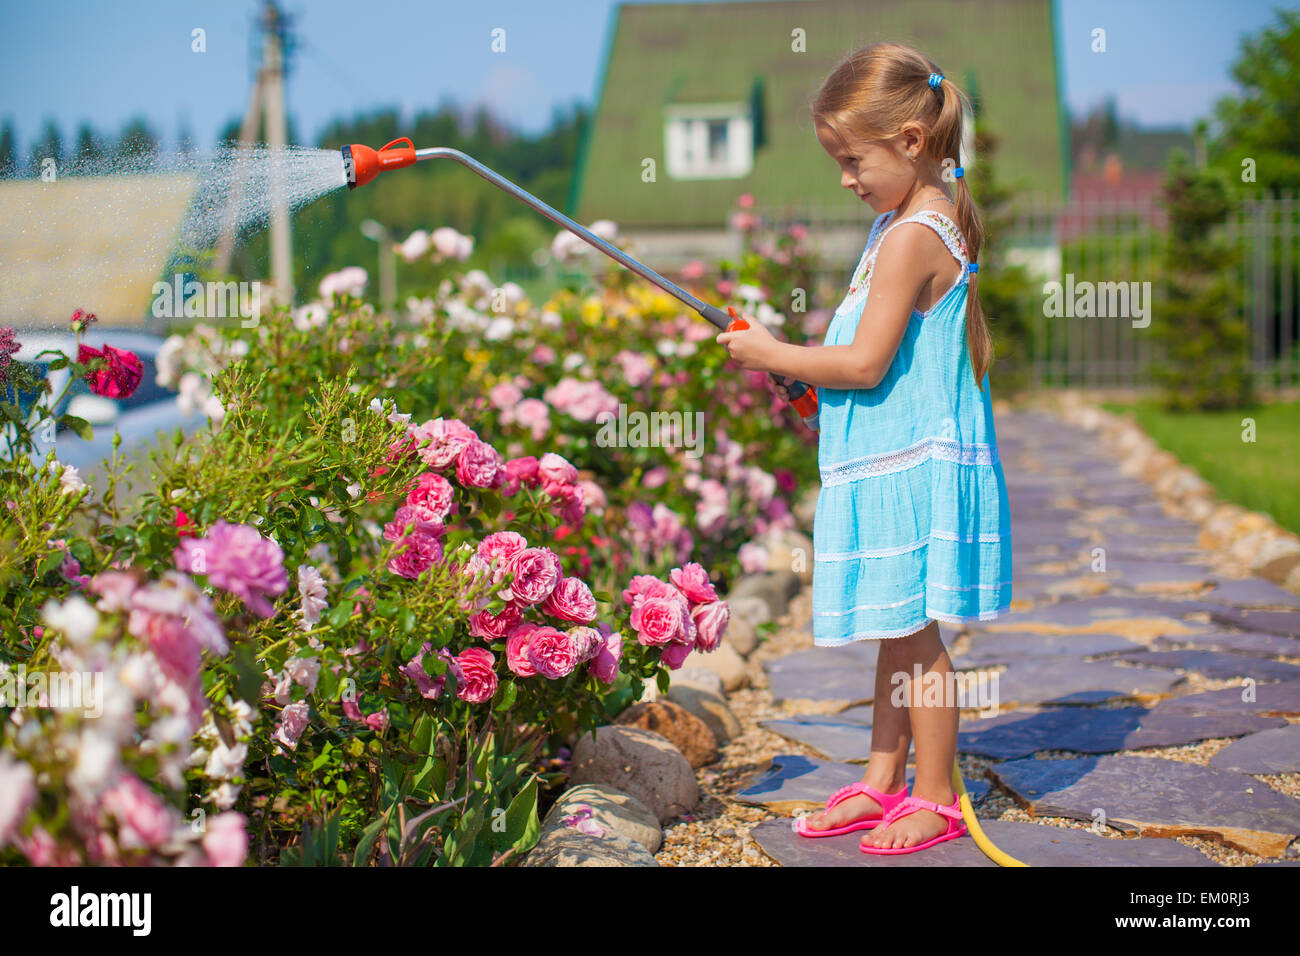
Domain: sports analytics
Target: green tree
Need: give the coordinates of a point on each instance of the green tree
(1200, 328)
(137, 143)
(8, 151)
(1263, 122)
(89, 149)
(50, 146)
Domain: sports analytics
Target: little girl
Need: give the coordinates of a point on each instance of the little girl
(913, 522)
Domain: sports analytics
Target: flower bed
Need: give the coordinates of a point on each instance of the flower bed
(358, 615)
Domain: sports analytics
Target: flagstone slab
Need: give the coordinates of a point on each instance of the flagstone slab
(1270, 751)
(1286, 623)
(1035, 844)
(1249, 643)
(1156, 797)
(1068, 680)
(1090, 612)
(1269, 700)
(1003, 647)
(1145, 574)
(1098, 730)
(827, 682)
(1217, 665)
(792, 782)
(1251, 593)
(833, 738)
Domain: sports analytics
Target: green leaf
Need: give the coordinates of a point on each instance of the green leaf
(521, 826)
(663, 680)
(508, 694)
(78, 425)
(248, 676)
(368, 837)
(50, 562)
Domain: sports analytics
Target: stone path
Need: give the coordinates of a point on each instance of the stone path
(1140, 705)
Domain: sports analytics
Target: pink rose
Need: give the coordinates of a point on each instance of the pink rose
(502, 545)
(478, 678)
(570, 499)
(478, 465)
(524, 469)
(551, 653)
(593, 496)
(415, 554)
(554, 468)
(142, 817)
(673, 655)
(293, 721)
(423, 522)
(586, 641)
(517, 650)
(693, 581)
(711, 623)
(605, 664)
(535, 415)
(442, 440)
(536, 573)
(571, 601)
(226, 840)
(659, 620)
(645, 586)
(495, 627)
(433, 495)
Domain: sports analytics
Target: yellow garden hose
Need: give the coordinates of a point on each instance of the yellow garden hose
(968, 816)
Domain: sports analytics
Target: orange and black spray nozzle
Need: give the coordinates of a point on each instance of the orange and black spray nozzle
(361, 164)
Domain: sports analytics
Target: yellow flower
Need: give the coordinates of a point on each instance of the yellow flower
(592, 309)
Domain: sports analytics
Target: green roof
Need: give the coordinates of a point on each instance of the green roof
(663, 54)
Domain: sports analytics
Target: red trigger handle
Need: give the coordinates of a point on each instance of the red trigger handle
(737, 323)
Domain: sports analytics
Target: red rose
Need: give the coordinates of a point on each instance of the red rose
(480, 679)
(181, 522)
(119, 375)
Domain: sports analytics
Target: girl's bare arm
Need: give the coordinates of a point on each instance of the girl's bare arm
(904, 264)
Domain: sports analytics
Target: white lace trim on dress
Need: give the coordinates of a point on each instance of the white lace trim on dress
(945, 449)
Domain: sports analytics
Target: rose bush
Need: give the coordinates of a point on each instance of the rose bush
(358, 616)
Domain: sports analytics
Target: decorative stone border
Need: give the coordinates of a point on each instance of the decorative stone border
(1251, 537)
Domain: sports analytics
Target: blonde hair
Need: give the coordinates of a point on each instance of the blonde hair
(873, 94)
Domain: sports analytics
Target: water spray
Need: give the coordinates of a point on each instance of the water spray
(361, 164)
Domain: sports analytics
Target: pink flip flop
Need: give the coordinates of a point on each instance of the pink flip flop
(887, 803)
(910, 805)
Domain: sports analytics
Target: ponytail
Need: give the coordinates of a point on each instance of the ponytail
(945, 142)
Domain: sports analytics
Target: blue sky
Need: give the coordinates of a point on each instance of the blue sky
(104, 62)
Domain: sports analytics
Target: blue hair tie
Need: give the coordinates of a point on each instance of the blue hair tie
(973, 267)
(958, 173)
(935, 80)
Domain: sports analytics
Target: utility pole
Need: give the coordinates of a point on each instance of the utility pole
(267, 99)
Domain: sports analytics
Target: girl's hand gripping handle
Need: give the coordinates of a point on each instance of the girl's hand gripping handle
(802, 397)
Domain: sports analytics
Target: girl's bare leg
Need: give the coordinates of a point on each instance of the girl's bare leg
(891, 737)
(935, 728)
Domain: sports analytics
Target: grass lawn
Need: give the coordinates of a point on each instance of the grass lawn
(1263, 475)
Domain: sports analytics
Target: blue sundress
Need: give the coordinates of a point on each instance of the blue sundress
(913, 521)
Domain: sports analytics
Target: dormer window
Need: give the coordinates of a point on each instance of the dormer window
(708, 140)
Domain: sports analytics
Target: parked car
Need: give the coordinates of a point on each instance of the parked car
(150, 409)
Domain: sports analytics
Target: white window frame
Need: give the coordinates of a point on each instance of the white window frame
(686, 141)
